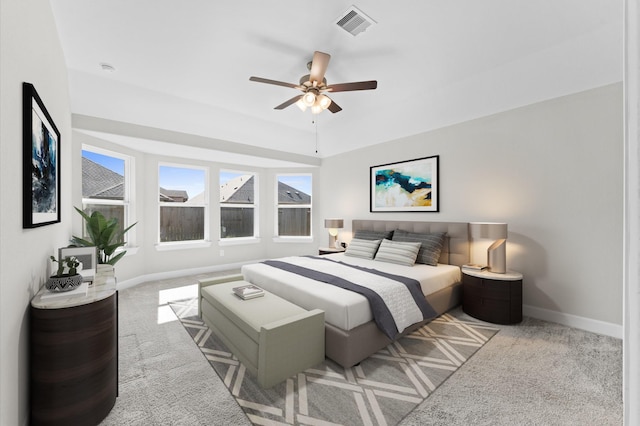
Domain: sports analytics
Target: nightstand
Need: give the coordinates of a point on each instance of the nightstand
(492, 297)
(330, 250)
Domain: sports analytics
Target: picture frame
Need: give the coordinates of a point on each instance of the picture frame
(41, 162)
(87, 256)
(406, 186)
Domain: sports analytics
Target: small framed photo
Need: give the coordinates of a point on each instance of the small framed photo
(87, 256)
(406, 186)
(41, 162)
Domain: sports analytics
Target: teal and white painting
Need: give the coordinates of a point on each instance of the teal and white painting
(405, 186)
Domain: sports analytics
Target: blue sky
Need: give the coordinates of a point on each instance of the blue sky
(300, 182)
(182, 178)
(111, 163)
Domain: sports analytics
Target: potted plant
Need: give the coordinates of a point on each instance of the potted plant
(103, 234)
(62, 281)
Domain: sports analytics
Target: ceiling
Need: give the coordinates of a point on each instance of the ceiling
(182, 69)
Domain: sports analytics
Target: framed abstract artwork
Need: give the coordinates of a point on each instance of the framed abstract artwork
(407, 186)
(41, 162)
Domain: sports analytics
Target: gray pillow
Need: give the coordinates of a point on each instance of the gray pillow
(431, 245)
(402, 253)
(373, 235)
(362, 248)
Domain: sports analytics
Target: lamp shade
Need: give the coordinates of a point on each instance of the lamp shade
(490, 230)
(333, 223)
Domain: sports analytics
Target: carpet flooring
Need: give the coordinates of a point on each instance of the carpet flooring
(381, 390)
(532, 373)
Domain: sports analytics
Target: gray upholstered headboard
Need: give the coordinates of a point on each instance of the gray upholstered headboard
(456, 248)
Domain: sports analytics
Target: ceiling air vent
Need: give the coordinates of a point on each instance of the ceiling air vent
(354, 21)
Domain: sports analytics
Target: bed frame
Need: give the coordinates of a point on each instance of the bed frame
(348, 348)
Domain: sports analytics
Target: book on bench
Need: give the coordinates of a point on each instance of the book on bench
(248, 291)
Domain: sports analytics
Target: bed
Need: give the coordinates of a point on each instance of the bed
(351, 331)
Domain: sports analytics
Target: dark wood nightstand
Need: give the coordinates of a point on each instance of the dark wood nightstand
(492, 297)
(330, 250)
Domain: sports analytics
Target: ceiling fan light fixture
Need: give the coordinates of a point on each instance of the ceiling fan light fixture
(309, 99)
(316, 109)
(301, 105)
(324, 101)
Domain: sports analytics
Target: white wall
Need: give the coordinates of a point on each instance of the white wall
(552, 171)
(29, 52)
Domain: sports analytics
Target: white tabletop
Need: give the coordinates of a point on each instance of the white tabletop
(507, 276)
(103, 286)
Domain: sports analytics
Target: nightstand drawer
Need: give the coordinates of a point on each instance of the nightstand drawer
(492, 310)
(488, 288)
(491, 297)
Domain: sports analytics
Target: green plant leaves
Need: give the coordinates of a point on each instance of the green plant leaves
(103, 234)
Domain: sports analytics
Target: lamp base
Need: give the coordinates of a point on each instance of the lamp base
(497, 257)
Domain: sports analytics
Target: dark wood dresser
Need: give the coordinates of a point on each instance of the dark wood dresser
(491, 297)
(74, 353)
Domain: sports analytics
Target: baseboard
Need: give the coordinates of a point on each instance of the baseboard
(587, 324)
(179, 273)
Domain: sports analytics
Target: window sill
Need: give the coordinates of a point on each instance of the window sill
(182, 245)
(238, 241)
(293, 240)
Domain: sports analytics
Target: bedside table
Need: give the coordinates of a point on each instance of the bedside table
(492, 297)
(330, 250)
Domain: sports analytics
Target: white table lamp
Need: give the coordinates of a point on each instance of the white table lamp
(493, 237)
(333, 225)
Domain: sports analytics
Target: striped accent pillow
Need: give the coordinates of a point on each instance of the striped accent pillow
(372, 235)
(431, 245)
(362, 248)
(403, 253)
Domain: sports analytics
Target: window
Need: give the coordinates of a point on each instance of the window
(238, 204)
(294, 205)
(106, 183)
(183, 203)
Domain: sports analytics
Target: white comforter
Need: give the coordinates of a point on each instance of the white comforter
(343, 308)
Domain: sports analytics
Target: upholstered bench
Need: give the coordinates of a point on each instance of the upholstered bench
(272, 337)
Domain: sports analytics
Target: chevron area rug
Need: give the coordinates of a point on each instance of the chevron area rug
(381, 390)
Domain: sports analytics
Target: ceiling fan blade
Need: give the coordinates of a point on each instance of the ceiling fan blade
(319, 65)
(348, 87)
(334, 107)
(289, 102)
(277, 83)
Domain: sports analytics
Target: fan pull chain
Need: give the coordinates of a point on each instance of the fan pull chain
(315, 122)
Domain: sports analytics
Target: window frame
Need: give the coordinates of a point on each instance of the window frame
(185, 244)
(255, 205)
(292, 238)
(128, 198)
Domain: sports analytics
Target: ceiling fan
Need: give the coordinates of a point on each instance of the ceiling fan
(313, 87)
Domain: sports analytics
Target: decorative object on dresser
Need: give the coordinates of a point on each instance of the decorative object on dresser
(406, 186)
(333, 225)
(492, 297)
(40, 162)
(66, 277)
(74, 354)
(491, 238)
(87, 256)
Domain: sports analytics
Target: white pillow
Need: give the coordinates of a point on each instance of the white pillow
(403, 253)
(362, 248)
